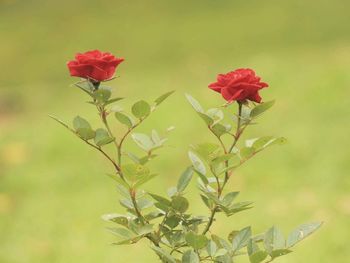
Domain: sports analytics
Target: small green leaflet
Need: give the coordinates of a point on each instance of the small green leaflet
(261, 108)
(116, 218)
(240, 240)
(103, 94)
(179, 203)
(302, 232)
(141, 109)
(83, 128)
(195, 104)
(190, 257)
(274, 240)
(102, 137)
(124, 119)
(143, 141)
(196, 241)
(163, 97)
(198, 165)
(185, 179)
(164, 254)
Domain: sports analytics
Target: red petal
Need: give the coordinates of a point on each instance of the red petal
(98, 74)
(76, 70)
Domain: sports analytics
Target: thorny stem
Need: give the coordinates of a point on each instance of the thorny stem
(227, 175)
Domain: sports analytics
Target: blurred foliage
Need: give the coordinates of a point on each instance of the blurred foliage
(52, 195)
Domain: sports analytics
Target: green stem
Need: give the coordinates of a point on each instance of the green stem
(116, 166)
(119, 146)
(210, 222)
(227, 175)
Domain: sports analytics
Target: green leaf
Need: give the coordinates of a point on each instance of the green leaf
(219, 129)
(153, 215)
(185, 179)
(274, 240)
(172, 191)
(279, 252)
(141, 109)
(221, 243)
(86, 134)
(211, 248)
(209, 121)
(252, 247)
(261, 108)
(143, 141)
(103, 94)
(124, 119)
(190, 257)
(102, 137)
(161, 199)
(258, 256)
(226, 258)
(180, 204)
(119, 180)
(211, 196)
(83, 128)
(246, 152)
(121, 232)
(238, 207)
(144, 203)
(80, 122)
(228, 198)
(198, 165)
(208, 151)
(240, 240)
(85, 86)
(195, 104)
(144, 179)
(134, 172)
(258, 143)
(245, 114)
(172, 221)
(127, 203)
(276, 141)
(165, 256)
(196, 241)
(163, 97)
(116, 218)
(266, 141)
(110, 101)
(143, 230)
(215, 114)
(223, 158)
(302, 232)
(221, 252)
(206, 201)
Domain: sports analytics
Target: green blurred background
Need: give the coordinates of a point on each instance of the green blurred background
(53, 188)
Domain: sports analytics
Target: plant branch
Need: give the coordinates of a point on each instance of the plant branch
(119, 147)
(116, 166)
(227, 175)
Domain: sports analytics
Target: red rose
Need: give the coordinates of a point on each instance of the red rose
(95, 65)
(240, 85)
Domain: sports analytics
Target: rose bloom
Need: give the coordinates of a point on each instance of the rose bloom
(95, 65)
(239, 85)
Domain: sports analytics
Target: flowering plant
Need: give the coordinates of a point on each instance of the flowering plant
(174, 234)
